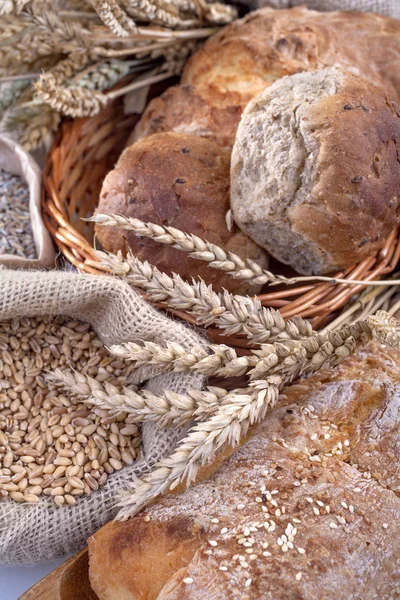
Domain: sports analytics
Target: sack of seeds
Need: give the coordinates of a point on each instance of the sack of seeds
(24, 240)
(63, 463)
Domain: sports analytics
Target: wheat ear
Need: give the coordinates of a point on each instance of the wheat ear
(231, 263)
(289, 358)
(114, 17)
(161, 13)
(385, 328)
(75, 102)
(232, 314)
(225, 428)
(231, 421)
(286, 360)
(172, 409)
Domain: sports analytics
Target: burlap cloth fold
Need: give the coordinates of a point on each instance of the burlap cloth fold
(390, 8)
(31, 533)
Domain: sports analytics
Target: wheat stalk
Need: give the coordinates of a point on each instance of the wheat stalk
(232, 314)
(224, 416)
(289, 358)
(217, 258)
(33, 41)
(286, 360)
(75, 102)
(114, 17)
(226, 427)
(172, 409)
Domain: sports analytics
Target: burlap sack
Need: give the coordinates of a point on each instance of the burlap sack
(14, 159)
(31, 533)
(390, 8)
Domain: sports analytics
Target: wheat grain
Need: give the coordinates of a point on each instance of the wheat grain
(385, 328)
(16, 235)
(50, 444)
(232, 314)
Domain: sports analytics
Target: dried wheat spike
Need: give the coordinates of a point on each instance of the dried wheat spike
(232, 314)
(231, 263)
(385, 328)
(74, 102)
(172, 409)
(114, 17)
(225, 428)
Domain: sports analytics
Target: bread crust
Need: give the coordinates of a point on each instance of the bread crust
(182, 110)
(236, 64)
(315, 449)
(315, 175)
(251, 53)
(182, 181)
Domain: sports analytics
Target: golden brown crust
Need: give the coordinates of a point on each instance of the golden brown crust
(307, 455)
(254, 51)
(355, 193)
(182, 110)
(325, 194)
(182, 181)
(236, 64)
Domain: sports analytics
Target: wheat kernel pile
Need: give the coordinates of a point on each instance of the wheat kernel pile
(50, 444)
(16, 236)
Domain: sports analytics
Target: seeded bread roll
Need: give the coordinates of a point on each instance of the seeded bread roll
(307, 508)
(240, 61)
(315, 171)
(182, 181)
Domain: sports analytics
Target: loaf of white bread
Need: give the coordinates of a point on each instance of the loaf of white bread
(306, 508)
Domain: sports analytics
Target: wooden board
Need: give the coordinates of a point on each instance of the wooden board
(70, 581)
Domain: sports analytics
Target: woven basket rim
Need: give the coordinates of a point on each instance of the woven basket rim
(315, 301)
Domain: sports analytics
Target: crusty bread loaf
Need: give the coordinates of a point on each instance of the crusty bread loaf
(236, 64)
(182, 181)
(182, 110)
(241, 60)
(307, 508)
(315, 171)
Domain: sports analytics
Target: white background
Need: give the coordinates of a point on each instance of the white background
(14, 581)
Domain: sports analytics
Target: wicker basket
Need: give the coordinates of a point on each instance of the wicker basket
(82, 154)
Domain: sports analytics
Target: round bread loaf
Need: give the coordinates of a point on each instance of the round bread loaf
(235, 65)
(241, 60)
(182, 110)
(315, 173)
(181, 181)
